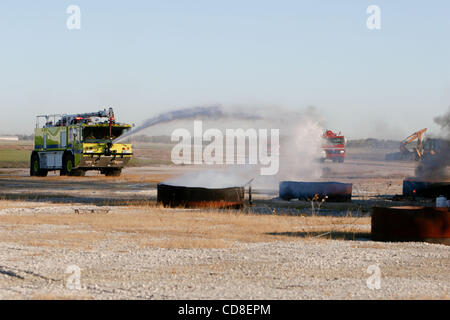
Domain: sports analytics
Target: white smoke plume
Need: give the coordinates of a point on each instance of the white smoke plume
(229, 177)
(300, 151)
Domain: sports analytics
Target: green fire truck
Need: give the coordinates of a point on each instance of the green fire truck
(76, 143)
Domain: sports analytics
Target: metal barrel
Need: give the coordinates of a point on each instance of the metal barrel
(332, 191)
(182, 196)
(427, 189)
(409, 223)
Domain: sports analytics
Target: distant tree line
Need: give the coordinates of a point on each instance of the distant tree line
(154, 139)
(25, 137)
(356, 143)
(373, 143)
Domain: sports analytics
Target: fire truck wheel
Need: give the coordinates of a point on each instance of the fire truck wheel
(67, 165)
(78, 173)
(35, 167)
(113, 172)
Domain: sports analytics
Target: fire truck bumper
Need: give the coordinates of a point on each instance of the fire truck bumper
(93, 162)
(335, 155)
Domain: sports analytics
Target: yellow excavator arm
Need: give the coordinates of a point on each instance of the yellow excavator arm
(419, 148)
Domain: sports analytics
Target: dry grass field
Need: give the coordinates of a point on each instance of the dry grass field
(182, 229)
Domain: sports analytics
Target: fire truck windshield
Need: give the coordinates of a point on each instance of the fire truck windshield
(335, 141)
(100, 134)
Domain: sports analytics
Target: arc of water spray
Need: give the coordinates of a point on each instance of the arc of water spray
(210, 112)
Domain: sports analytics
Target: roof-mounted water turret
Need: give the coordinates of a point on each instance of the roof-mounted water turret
(57, 120)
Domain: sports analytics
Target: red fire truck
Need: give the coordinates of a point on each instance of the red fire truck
(333, 146)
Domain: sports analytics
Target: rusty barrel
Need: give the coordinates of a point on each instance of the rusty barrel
(191, 197)
(408, 223)
(333, 191)
(427, 189)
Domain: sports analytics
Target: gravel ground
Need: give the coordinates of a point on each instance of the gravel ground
(299, 269)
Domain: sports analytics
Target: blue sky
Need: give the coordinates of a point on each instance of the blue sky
(144, 57)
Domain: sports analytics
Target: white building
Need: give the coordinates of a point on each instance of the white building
(9, 138)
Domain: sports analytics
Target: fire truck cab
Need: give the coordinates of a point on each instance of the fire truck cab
(333, 146)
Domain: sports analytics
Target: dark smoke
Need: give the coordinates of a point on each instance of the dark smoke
(434, 165)
(444, 122)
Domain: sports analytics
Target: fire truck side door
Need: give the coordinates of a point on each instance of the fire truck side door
(71, 142)
(63, 138)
